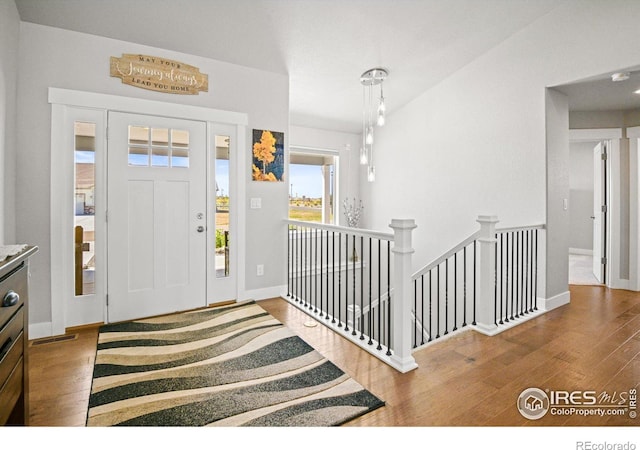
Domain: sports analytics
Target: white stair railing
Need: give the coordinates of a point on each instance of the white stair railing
(488, 282)
(356, 282)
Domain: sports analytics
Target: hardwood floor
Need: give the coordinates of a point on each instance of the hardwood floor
(592, 344)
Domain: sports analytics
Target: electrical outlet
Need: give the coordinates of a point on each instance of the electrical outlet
(260, 270)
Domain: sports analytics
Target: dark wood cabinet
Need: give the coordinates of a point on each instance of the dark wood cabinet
(14, 338)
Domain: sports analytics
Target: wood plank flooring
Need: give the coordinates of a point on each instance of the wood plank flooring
(467, 380)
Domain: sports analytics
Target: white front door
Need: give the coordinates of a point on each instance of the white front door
(156, 215)
(599, 213)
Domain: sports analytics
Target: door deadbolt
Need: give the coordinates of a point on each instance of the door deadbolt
(199, 216)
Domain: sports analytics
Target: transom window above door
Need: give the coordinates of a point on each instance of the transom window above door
(158, 147)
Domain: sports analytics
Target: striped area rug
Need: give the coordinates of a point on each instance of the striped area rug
(227, 366)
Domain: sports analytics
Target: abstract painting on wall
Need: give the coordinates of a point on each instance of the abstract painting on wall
(268, 155)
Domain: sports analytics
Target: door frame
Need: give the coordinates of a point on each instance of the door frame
(63, 310)
(612, 243)
(633, 134)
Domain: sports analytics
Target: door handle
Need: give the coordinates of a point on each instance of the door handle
(200, 229)
(593, 217)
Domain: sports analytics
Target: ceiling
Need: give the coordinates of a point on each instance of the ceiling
(600, 93)
(323, 45)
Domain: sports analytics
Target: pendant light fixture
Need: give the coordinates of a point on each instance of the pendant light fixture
(373, 113)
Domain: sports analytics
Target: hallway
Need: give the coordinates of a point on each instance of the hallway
(581, 270)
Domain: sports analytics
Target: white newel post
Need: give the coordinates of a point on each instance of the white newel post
(485, 317)
(402, 356)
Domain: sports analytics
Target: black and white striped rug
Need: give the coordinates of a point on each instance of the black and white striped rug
(228, 366)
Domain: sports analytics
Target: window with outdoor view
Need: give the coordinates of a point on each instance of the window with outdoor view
(222, 206)
(84, 216)
(312, 178)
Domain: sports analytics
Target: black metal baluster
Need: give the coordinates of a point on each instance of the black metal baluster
(446, 297)
(535, 277)
(289, 259)
(464, 286)
(339, 280)
(517, 272)
(495, 281)
(531, 279)
(326, 276)
(529, 271)
(353, 257)
(321, 277)
(527, 276)
(304, 266)
(346, 282)
(422, 312)
(506, 283)
(455, 291)
(430, 308)
(474, 280)
(438, 301)
(314, 295)
(370, 315)
(333, 277)
(361, 288)
(522, 273)
(501, 276)
(388, 298)
(415, 309)
(379, 347)
(513, 280)
(299, 250)
(294, 264)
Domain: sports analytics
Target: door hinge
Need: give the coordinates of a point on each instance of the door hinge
(106, 216)
(604, 208)
(603, 260)
(604, 156)
(107, 299)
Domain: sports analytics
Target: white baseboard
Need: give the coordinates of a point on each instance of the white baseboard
(264, 293)
(580, 251)
(561, 299)
(40, 330)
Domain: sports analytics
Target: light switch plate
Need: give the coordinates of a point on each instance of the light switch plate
(256, 203)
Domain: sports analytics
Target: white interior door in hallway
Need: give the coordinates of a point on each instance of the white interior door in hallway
(599, 211)
(156, 215)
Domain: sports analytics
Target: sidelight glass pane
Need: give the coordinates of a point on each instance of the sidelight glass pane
(222, 206)
(84, 215)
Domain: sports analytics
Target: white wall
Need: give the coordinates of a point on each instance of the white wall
(348, 146)
(51, 57)
(9, 33)
(476, 143)
(581, 195)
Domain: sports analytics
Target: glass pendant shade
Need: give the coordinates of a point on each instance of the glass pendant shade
(371, 173)
(364, 160)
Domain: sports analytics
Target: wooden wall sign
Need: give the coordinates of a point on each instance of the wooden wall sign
(159, 74)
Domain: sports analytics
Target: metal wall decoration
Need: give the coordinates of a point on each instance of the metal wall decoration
(159, 74)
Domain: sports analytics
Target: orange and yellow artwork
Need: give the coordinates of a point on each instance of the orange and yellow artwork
(268, 155)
